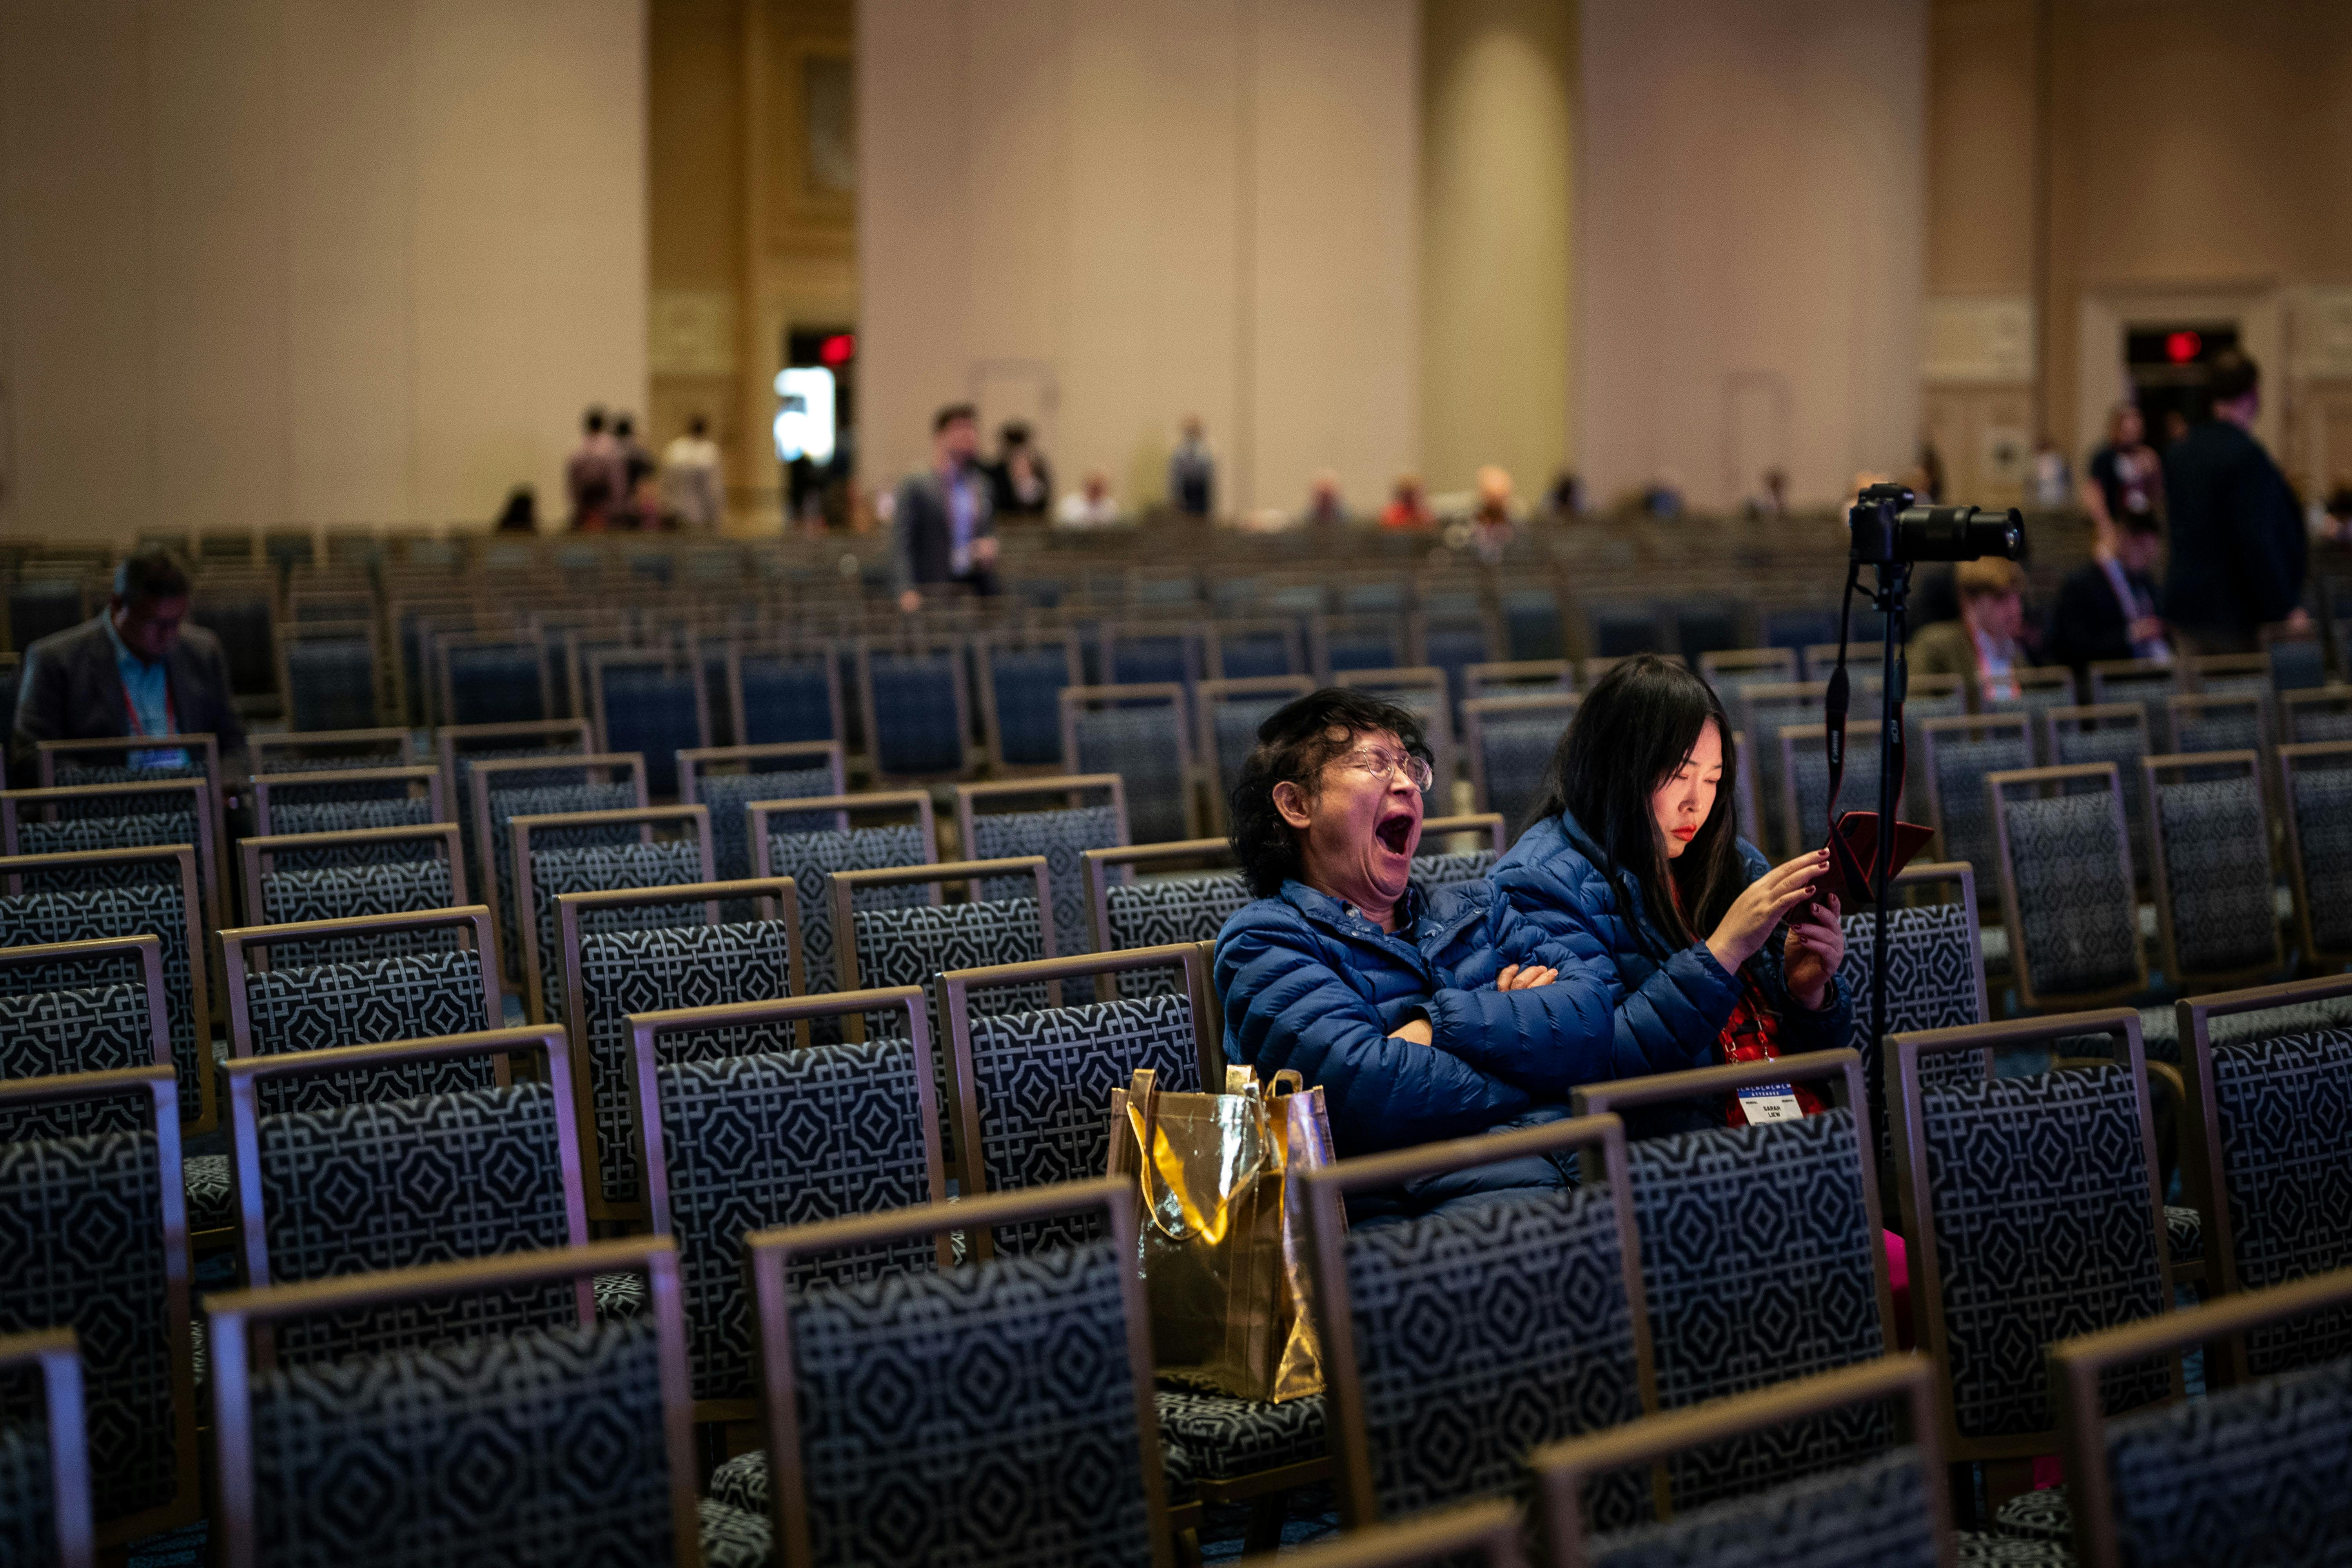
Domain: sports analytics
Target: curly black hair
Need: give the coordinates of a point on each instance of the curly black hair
(1294, 746)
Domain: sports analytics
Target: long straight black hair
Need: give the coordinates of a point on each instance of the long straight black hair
(1632, 733)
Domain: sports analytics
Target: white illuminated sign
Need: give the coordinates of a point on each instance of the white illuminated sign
(805, 425)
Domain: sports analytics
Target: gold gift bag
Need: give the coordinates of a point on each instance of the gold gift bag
(1222, 1240)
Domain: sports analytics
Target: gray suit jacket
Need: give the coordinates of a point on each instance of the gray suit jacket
(72, 691)
(924, 543)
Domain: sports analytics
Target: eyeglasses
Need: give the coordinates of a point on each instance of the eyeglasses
(1385, 765)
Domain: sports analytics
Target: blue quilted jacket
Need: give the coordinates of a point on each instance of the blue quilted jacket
(1310, 986)
(1670, 1004)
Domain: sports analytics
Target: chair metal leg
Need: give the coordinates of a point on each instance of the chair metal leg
(1268, 1513)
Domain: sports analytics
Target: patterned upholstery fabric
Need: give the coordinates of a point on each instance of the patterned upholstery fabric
(647, 971)
(1223, 1439)
(2323, 827)
(404, 1182)
(598, 867)
(1874, 1515)
(2046, 1514)
(1154, 912)
(27, 1526)
(149, 908)
(1758, 1260)
(69, 774)
(2249, 1475)
(1138, 744)
(1043, 1081)
(726, 794)
(81, 1247)
(1931, 983)
(2284, 1107)
(2150, 694)
(733, 1538)
(2217, 844)
(917, 729)
(1028, 684)
(496, 686)
(406, 996)
(1235, 721)
(784, 1138)
(2125, 748)
(362, 1463)
(349, 816)
(1247, 654)
(1168, 658)
(913, 945)
(1482, 1332)
(985, 1415)
(651, 710)
(785, 698)
(1961, 763)
(131, 830)
(1763, 718)
(538, 800)
(1063, 836)
(2184, 1234)
(2314, 723)
(2043, 1232)
(1433, 871)
(331, 683)
(1517, 755)
(2219, 729)
(205, 1183)
(2077, 913)
(1363, 648)
(1808, 778)
(98, 1028)
(743, 1482)
(811, 859)
(336, 892)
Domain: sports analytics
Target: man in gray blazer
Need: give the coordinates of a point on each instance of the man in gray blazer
(134, 668)
(942, 529)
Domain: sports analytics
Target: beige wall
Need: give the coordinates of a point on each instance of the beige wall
(278, 260)
(1497, 149)
(1751, 214)
(1104, 215)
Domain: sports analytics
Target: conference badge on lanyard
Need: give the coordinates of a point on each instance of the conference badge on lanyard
(162, 757)
(1771, 1103)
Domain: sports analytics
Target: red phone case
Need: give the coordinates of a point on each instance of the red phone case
(1860, 831)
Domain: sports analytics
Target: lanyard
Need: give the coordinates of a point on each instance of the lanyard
(130, 710)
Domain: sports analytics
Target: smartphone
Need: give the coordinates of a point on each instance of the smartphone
(1860, 831)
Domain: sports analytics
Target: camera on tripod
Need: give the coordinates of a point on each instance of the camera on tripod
(1888, 528)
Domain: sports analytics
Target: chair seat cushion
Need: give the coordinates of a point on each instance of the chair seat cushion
(2036, 1516)
(2184, 1234)
(1225, 1439)
(1982, 1548)
(621, 1295)
(734, 1537)
(205, 1179)
(743, 1483)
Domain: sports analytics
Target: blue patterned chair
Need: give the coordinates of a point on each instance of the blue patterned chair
(810, 856)
(330, 678)
(1348, 643)
(364, 1001)
(327, 879)
(1231, 712)
(1760, 1261)
(92, 1238)
(2032, 1210)
(2209, 841)
(652, 704)
(2149, 686)
(1434, 866)
(44, 1455)
(917, 723)
(386, 1184)
(1934, 980)
(1258, 648)
(1532, 622)
(507, 788)
(575, 854)
(782, 696)
(386, 809)
(913, 1405)
(1139, 733)
(2318, 798)
(573, 1421)
(2067, 886)
(1057, 827)
(1805, 768)
(1510, 740)
(1137, 904)
(2325, 714)
(2039, 692)
(613, 971)
(1959, 754)
(772, 772)
(493, 681)
(1021, 686)
(1765, 707)
(1453, 642)
(912, 945)
(2116, 733)
(118, 816)
(781, 1134)
(1457, 1343)
(2219, 721)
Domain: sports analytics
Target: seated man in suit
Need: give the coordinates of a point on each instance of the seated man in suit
(2106, 607)
(1985, 647)
(134, 668)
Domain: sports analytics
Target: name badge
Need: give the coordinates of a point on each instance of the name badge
(171, 757)
(1771, 1103)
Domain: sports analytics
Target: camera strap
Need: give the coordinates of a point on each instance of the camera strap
(1834, 705)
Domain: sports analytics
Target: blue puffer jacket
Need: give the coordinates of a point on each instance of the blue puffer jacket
(1310, 986)
(1670, 1004)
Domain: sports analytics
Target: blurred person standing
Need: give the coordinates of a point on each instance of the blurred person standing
(689, 478)
(1192, 473)
(1985, 647)
(1408, 505)
(593, 478)
(1493, 525)
(2126, 478)
(1325, 506)
(2106, 607)
(1091, 505)
(2239, 550)
(940, 521)
(1021, 483)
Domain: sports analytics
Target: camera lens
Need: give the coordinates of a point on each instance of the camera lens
(1958, 533)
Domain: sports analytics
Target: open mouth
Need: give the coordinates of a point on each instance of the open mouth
(1396, 833)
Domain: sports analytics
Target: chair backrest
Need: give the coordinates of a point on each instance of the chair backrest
(593, 851)
(2219, 721)
(1345, 643)
(341, 802)
(1516, 678)
(45, 1456)
(1047, 1342)
(2032, 1210)
(1145, 652)
(614, 968)
(913, 944)
(498, 678)
(1533, 626)
(1764, 707)
(2066, 885)
(918, 715)
(1421, 692)
(395, 996)
(2209, 848)
(1959, 752)
(784, 845)
(98, 1007)
(1134, 731)
(1762, 1259)
(94, 1237)
(1133, 900)
(2232, 675)
(1230, 713)
(1804, 769)
(531, 786)
(1453, 640)
(590, 1446)
(1064, 818)
(1257, 649)
(291, 879)
(2144, 681)
(121, 816)
(1934, 980)
(2264, 1071)
(1821, 657)
(2113, 732)
(2253, 1474)
(1021, 680)
(2324, 714)
(459, 747)
(740, 1129)
(87, 895)
(328, 671)
(1469, 1309)
(731, 779)
(397, 1184)
(1727, 669)
(1435, 866)
(2038, 690)
(779, 693)
(652, 703)
(1509, 740)
(2315, 798)
(1026, 1090)
(329, 750)
(1893, 1508)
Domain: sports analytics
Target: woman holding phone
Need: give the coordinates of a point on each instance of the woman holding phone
(1633, 861)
